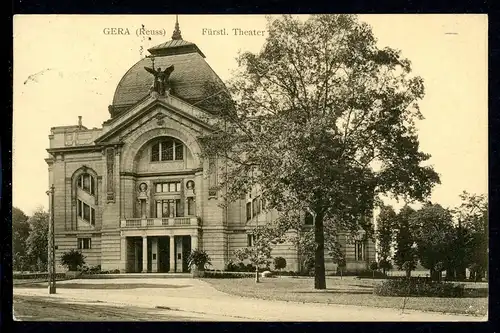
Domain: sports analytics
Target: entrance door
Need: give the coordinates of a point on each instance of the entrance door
(163, 254)
(186, 250)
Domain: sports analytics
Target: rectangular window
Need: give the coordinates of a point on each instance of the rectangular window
(171, 208)
(309, 219)
(84, 243)
(79, 210)
(178, 208)
(155, 152)
(86, 183)
(92, 216)
(92, 185)
(263, 204)
(167, 150)
(179, 151)
(254, 207)
(86, 212)
(191, 206)
(359, 249)
(249, 211)
(250, 240)
(166, 211)
(158, 209)
(168, 187)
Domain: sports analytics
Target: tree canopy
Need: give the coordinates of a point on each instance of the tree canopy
(323, 120)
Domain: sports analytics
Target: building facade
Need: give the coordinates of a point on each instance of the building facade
(135, 195)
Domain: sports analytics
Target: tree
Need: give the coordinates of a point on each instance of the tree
(405, 240)
(20, 233)
(199, 259)
(259, 254)
(37, 241)
(279, 263)
(472, 218)
(385, 265)
(323, 121)
(373, 267)
(386, 221)
(434, 233)
(72, 260)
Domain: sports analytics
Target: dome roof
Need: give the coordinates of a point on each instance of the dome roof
(189, 81)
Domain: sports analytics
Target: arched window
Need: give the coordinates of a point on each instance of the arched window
(167, 149)
(87, 183)
(85, 194)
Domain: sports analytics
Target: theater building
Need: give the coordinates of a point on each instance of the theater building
(135, 195)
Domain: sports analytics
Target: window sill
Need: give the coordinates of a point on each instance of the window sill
(167, 161)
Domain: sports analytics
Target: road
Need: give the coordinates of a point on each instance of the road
(170, 299)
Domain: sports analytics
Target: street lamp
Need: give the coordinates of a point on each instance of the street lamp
(51, 245)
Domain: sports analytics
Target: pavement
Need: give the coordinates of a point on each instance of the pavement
(196, 298)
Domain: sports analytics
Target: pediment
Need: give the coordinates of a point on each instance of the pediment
(162, 111)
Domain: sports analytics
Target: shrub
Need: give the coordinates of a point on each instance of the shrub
(231, 267)
(72, 259)
(374, 266)
(279, 263)
(227, 275)
(199, 259)
(385, 265)
(418, 287)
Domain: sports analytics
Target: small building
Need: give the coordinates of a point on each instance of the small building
(135, 195)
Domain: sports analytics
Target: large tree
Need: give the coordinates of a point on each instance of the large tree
(324, 121)
(37, 240)
(20, 232)
(472, 218)
(434, 237)
(386, 222)
(405, 256)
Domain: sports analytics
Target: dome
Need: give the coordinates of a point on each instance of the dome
(189, 81)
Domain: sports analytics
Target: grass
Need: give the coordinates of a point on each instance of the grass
(349, 291)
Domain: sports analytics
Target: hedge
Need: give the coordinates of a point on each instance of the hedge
(36, 276)
(418, 287)
(227, 275)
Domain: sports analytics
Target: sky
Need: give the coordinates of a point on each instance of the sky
(67, 66)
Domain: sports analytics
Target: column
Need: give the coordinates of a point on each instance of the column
(154, 255)
(123, 254)
(172, 254)
(194, 242)
(144, 254)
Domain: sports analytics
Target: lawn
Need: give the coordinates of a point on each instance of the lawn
(349, 291)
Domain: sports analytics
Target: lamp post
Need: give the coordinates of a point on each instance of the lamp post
(51, 245)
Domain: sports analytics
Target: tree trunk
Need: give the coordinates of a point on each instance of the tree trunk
(256, 274)
(460, 274)
(408, 273)
(319, 257)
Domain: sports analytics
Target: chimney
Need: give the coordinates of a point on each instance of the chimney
(79, 122)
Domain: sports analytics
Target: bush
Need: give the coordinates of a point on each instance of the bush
(418, 287)
(385, 265)
(72, 260)
(279, 263)
(227, 275)
(370, 274)
(199, 259)
(374, 266)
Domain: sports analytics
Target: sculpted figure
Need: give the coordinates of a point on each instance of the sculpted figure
(161, 78)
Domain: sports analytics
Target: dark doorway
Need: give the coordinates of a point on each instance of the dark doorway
(186, 250)
(163, 254)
